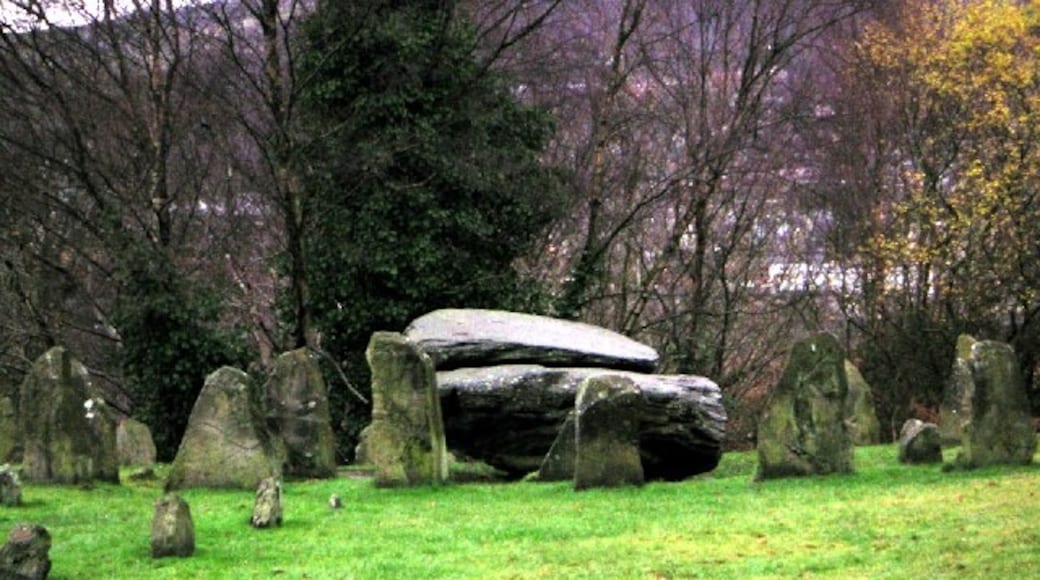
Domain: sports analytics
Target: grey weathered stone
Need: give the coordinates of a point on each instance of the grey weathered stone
(405, 440)
(558, 464)
(68, 433)
(859, 409)
(508, 416)
(607, 411)
(226, 443)
(955, 409)
(134, 443)
(920, 442)
(10, 442)
(457, 338)
(802, 430)
(267, 509)
(10, 489)
(999, 429)
(173, 531)
(298, 408)
(26, 555)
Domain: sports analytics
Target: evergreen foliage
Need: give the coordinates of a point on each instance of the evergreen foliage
(425, 179)
(169, 344)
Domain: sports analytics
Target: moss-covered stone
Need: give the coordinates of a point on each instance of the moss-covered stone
(955, 409)
(558, 464)
(802, 430)
(999, 429)
(134, 443)
(860, 414)
(607, 410)
(298, 408)
(405, 441)
(67, 430)
(173, 530)
(920, 442)
(10, 442)
(227, 443)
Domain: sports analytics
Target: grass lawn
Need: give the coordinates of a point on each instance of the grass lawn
(886, 520)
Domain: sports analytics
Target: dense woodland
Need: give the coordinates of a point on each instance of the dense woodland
(190, 184)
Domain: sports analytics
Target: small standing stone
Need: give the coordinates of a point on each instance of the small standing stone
(173, 531)
(26, 553)
(10, 490)
(920, 442)
(607, 410)
(134, 443)
(267, 511)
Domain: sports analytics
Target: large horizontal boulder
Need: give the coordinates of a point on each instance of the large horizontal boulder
(508, 416)
(456, 338)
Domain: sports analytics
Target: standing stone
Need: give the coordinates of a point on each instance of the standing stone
(226, 443)
(298, 409)
(859, 409)
(955, 409)
(802, 430)
(9, 440)
(558, 464)
(607, 410)
(26, 555)
(405, 441)
(134, 443)
(920, 442)
(999, 429)
(267, 510)
(68, 433)
(173, 531)
(10, 489)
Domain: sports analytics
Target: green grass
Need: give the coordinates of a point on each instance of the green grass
(885, 521)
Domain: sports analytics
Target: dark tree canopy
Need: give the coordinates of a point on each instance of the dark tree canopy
(425, 176)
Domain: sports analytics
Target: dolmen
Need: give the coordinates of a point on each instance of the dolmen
(508, 381)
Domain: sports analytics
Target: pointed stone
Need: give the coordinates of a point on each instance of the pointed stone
(173, 530)
(227, 443)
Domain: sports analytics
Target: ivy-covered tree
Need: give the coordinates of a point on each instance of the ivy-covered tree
(425, 177)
